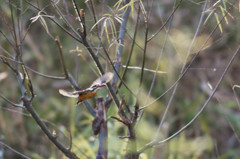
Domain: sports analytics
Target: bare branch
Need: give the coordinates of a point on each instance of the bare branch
(160, 55)
(132, 46)
(101, 128)
(118, 76)
(190, 63)
(79, 38)
(94, 14)
(8, 41)
(45, 121)
(69, 77)
(144, 54)
(15, 151)
(13, 104)
(59, 25)
(121, 121)
(61, 57)
(165, 22)
(121, 41)
(8, 64)
(158, 142)
(183, 67)
(81, 15)
(100, 68)
(32, 70)
(44, 75)
(44, 128)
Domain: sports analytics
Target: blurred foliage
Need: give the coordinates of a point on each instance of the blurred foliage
(215, 134)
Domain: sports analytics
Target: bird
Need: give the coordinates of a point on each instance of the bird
(90, 91)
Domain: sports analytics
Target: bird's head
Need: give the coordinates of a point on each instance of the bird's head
(97, 86)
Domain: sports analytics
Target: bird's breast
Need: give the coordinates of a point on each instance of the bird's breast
(85, 96)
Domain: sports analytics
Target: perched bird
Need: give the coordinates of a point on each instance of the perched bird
(90, 91)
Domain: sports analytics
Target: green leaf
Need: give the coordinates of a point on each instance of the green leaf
(218, 22)
(43, 22)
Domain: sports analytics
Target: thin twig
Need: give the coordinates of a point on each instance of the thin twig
(160, 55)
(20, 20)
(119, 120)
(97, 27)
(77, 11)
(59, 25)
(118, 76)
(8, 40)
(44, 75)
(45, 129)
(183, 67)
(34, 71)
(190, 63)
(154, 35)
(73, 82)
(8, 64)
(4, 57)
(70, 26)
(100, 68)
(13, 104)
(13, 25)
(144, 54)
(15, 151)
(233, 129)
(111, 63)
(27, 102)
(45, 121)
(157, 142)
(144, 48)
(74, 42)
(121, 41)
(61, 57)
(94, 15)
(69, 77)
(135, 42)
(132, 47)
(5, 51)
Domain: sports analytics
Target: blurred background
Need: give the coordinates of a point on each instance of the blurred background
(214, 134)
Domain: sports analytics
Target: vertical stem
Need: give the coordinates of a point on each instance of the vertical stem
(121, 42)
(103, 134)
(103, 142)
(132, 47)
(132, 146)
(132, 143)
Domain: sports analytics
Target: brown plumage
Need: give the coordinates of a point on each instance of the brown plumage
(91, 91)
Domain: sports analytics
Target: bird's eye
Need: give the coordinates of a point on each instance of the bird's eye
(94, 86)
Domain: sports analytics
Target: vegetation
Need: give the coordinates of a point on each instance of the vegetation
(174, 92)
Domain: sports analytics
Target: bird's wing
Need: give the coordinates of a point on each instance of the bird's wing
(81, 92)
(107, 77)
(68, 94)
